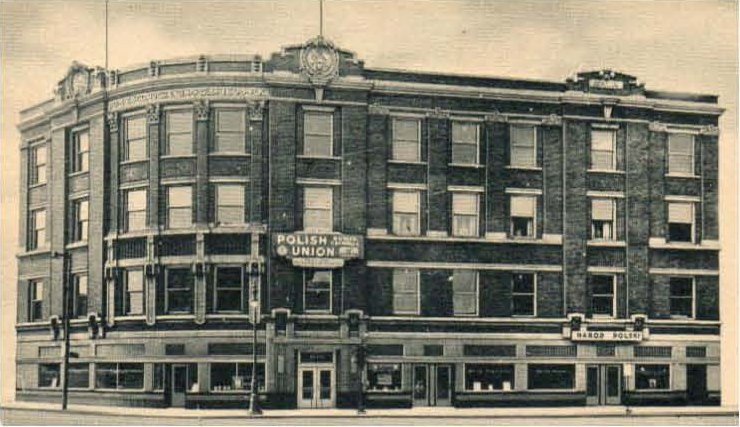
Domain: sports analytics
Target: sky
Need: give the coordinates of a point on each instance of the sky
(685, 46)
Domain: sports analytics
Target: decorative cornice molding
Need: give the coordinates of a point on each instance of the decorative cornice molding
(112, 119)
(658, 127)
(496, 117)
(377, 109)
(202, 109)
(152, 113)
(711, 130)
(552, 120)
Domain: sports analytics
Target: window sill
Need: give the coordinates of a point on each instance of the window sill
(489, 391)
(178, 156)
(229, 154)
(131, 162)
(525, 168)
(387, 392)
(682, 175)
(36, 185)
(129, 318)
(308, 157)
(606, 243)
(33, 252)
(406, 162)
(176, 316)
(75, 245)
(466, 165)
(659, 243)
(78, 173)
(134, 233)
(119, 390)
(609, 171)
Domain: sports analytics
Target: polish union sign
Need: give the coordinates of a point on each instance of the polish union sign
(606, 336)
(319, 250)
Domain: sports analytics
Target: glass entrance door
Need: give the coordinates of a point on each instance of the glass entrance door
(432, 385)
(316, 387)
(603, 384)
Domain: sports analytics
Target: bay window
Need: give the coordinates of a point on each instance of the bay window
(179, 284)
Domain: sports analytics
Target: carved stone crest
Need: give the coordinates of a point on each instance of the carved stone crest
(152, 113)
(201, 109)
(319, 61)
(78, 82)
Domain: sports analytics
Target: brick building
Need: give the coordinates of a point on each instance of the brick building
(412, 238)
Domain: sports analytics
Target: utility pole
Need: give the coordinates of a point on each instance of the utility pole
(66, 294)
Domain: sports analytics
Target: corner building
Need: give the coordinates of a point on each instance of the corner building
(411, 238)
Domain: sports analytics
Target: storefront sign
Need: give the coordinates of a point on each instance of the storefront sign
(318, 249)
(606, 84)
(236, 93)
(606, 336)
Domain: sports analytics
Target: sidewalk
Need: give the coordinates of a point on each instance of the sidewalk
(427, 412)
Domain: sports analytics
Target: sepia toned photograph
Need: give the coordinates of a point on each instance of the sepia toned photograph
(368, 212)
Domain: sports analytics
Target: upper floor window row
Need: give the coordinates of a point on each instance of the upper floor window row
(38, 156)
(179, 133)
(680, 154)
(80, 151)
(318, 133)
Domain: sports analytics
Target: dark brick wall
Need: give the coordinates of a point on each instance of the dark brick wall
(439, 157)
(658, 143)
(638, 212)
(577, 222)
(282, 165)
(463, 252)
(497, 141)
(552, 175)
(354, 169)
(549, 295)
(436, 293)
(379, 293)
(707, 297)
(660, 289)
(710, 156)
(495, 293)
(377, 155)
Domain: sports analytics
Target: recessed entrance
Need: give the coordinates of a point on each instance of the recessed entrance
(316, 380)
(433, 385)
(603, 384)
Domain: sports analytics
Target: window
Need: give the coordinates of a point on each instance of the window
(49, 375)
(603, 150)
(81, 218)
(179, 138)
(235, 376)
(465, 143)
(384, 376)
(228, 290)
(550, 377)
(680, 222)
(38, 164)
(465, 214)
(80, 151)
(465, 292)
(133, 296)
(230, 204)
(119, 376)
(523, 294)
(79, 375)
(405, 291)
(652, 377)
(406, 213)
(179, 206)
(317, 213)
(485, 377)
(682, 296)
(406, 140)
(317, 290)
(79, 303)
(179, 295)
(317, 134)
(602, 219)
(135, 215)
(603, 295)
(523, 146)
(37, 236)
(681, 153)
(230, 131)
(134, 143)
(35, 300)
(523, 213)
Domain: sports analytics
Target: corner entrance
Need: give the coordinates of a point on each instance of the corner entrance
(316, 381)
(603, 384)
(433, 385)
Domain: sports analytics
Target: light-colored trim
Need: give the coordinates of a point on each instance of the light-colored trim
(687, 129)
(605, 194)
(682, 199)
(406, 162)
(606, 243)
(524, 191)
(374, 232)
(316, 157)
(406, 186)
(459, 118)
(526, 121)
(682, 175)
(318, 108)
(407, 114)
(228, 179)
(611, 171)
(465, 188)
(704, 245)
(468, 266)
(179, 181)
(524, 168)
(318, 182)
(443, 236)
(606, 270)
(605, 126)
(682, 272)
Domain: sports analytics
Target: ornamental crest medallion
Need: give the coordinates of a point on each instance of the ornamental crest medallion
(319, 60)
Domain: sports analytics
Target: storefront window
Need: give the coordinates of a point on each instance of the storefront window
(489, 377)
(119, 376)
(652, 377)
(551, 377)
(384, 376)
(49, 375)
(79, 375)
(235, 376)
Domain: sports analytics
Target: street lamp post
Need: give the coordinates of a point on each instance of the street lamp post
(66, 294)
(254, 318)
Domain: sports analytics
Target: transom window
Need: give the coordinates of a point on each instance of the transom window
(523, 294)
(179, 290)
(603, 295)
(134, 142)
(38, 164)
(465, 292)
(81, 220)
(318, 129)
(406, 213)
(602, 219)
(230, 131)
(603, 144)
(317, 290)
(465, 137)
(119, 376)
(35, 300)
(133, 291)
(680, 222)
(229, 285)
(135, 215)
(465, 214)
(80, 151)
(179, 137)
(682, 297)
(179, 206)
(405, 291)
(681, 153)
(489, 377)
(317, 212)
(37, 237)
(230, 204)
(79, 303)
(406, 134)
(523, 140)
(523, 213)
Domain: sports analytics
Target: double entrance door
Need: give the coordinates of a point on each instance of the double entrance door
(603, 384)
(432, 384)
(316, 386)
